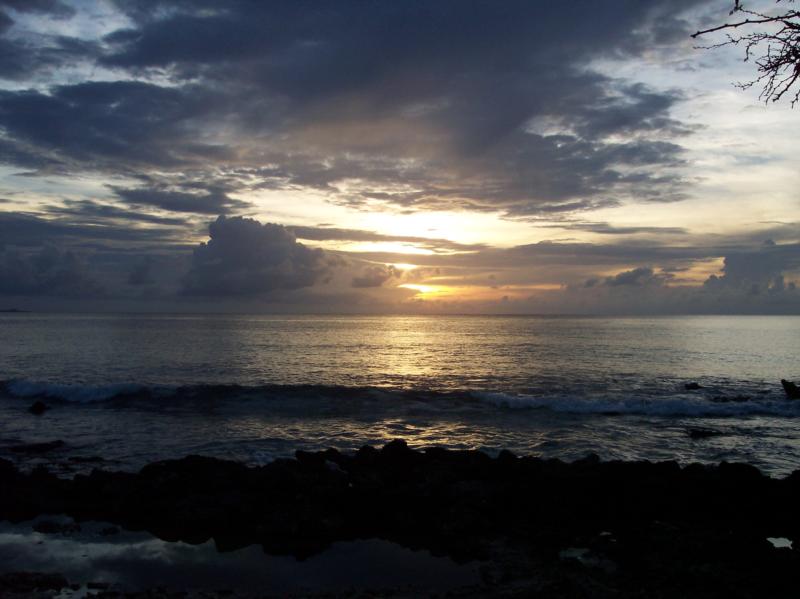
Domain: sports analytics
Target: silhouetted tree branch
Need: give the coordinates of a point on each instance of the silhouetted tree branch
(775, 47)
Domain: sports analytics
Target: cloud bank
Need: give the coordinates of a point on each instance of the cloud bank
(139, 140)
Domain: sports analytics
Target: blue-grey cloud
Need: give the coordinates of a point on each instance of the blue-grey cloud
(99, 213)
(636, 277)
(18, 229)
(445, 107)
(244, 257)
(54, 8)
(206, 202)
(375, 275)
(757, 270)
(48, 271)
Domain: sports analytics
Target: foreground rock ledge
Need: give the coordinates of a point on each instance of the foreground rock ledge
(542, 527)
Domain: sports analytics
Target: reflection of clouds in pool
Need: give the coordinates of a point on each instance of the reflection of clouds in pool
(136, 560)
(780, 542)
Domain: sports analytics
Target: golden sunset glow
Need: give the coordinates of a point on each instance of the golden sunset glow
(427, 289)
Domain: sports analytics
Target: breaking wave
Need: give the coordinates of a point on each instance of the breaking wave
(676, 404)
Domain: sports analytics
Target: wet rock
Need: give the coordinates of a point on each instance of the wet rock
(692, 386)
(674, 528)
(85, 459)
(98, 586)
(34, 448)
(38, 408)
(53, 527)
(792, 391)
(30, 582)
(702, 433)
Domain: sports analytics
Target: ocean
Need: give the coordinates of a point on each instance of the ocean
(136, 388)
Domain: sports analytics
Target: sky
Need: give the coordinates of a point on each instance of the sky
(449, 156)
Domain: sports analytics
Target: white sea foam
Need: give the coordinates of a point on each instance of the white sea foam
(663, 404)
(76, 393)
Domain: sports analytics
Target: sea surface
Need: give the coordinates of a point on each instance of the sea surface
(137, 388)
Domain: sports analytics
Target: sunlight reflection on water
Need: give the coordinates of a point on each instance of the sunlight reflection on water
(556, 387)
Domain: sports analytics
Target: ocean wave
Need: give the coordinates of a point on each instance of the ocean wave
(677, 405)
(70, 392)
(663, 403)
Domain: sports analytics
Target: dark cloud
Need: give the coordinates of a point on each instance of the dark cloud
(244, 257)
(92, 212)
(122, 126)
(375, 276)
(609, 229)
(21, 58)
(28, 230)
(637, 276)
(476, 106)
(5, 22)
(245, 262)
(464, 105)
(54, 8)
(757, 270)
(206, 202)
(45, 272)
(23, 55)
(141, 274)
(17, 154)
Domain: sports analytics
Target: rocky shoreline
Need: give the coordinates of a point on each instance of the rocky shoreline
(538, 527)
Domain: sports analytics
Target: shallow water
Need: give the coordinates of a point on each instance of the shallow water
(258, 387)
(136, 561)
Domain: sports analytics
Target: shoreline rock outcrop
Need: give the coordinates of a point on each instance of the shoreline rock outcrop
(792, 391)
(660, 528)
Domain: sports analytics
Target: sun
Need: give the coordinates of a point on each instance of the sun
(426, 289)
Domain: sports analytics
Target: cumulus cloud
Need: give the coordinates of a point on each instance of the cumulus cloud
(46, 272)
(757, 270)
(636, 277)
(467, 106)
(375, 275)
(245, 257)
(141, 273)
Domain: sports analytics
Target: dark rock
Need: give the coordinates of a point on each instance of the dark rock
(397, 450)
(38, 408)
(37, 447)
(53, 527)
(30, 582)
(702, 433)
(78, 459)
(692, 386)
(792, 391)
(97, 586)
(506, 457)
(668, 531)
